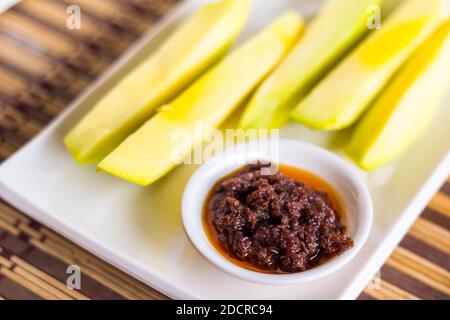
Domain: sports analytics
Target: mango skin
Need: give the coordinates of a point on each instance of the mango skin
(339, 25)
(148, 154)
(345, 93)
(406, 108)
(189, 51)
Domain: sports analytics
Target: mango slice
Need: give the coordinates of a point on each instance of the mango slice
(407, 106)
(337, 27)
(189, 51)
(343, 95)
(156, 147)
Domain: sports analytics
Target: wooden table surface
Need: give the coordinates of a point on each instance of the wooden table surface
(43, 66)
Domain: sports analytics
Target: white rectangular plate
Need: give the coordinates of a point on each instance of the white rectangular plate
(139, 229)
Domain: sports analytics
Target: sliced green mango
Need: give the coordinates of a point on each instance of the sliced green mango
(405, 109)
(344, 94)
(156, 148)
(189, 51)
(337, 27)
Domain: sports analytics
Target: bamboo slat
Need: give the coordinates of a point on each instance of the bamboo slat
(30, 285)
(431, 234)
(441, 203)
(387, 291)
(421, 269)
(47, 279)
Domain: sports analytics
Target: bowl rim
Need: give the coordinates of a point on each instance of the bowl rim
(214, 165)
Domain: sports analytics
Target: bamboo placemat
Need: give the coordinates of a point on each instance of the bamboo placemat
(43, 66)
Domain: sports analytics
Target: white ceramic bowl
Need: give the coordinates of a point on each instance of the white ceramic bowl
(329, 167)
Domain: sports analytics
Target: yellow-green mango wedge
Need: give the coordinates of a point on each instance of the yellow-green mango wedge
(337, 27)
(405, 109)
(189, 51)
(344, 94)
(155, 148)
